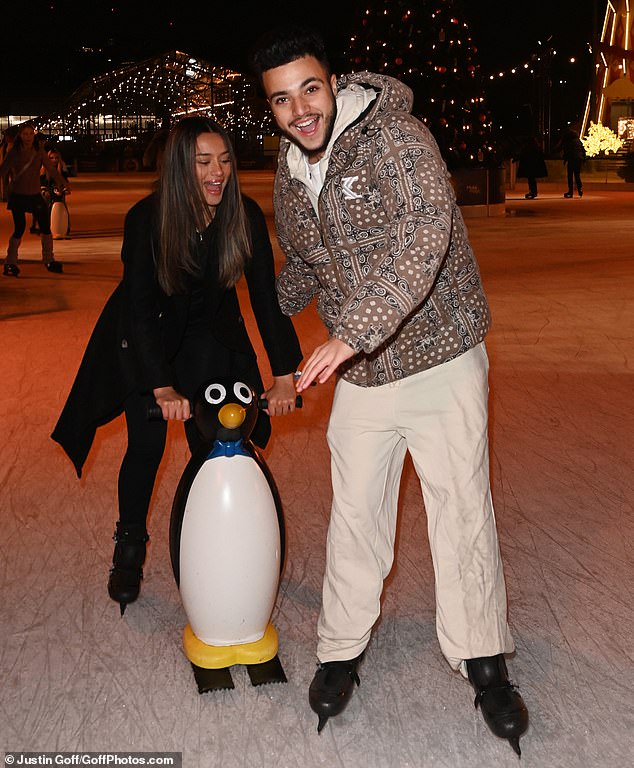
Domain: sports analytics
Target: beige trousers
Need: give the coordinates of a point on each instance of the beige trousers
(441, 417)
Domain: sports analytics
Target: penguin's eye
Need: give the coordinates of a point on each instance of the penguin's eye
(215, 393)
(242, 392)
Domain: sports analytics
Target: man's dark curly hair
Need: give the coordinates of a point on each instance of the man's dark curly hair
(284, 44)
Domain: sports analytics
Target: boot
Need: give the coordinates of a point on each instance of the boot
(126, 573)
(47, 255)
(11, 268)
(332, 687)
(501, 705)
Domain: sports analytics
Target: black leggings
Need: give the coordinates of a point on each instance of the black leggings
(42, 215)
(146, 443)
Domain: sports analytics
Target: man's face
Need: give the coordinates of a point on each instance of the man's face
(302, 99)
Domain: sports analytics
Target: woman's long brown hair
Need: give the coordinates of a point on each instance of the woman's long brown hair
(184, 213)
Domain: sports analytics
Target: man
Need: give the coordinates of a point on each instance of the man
(367, 218)
(574, 153)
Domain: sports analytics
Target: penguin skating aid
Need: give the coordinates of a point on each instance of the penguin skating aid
(227, 543)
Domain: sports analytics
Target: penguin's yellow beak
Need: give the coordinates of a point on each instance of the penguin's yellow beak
(231, 415)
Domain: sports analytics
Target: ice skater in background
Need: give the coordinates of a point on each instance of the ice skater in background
(532, 166)
(368, 220)
(173, 322)
(56, 197)
(22, 165)
(574, 154)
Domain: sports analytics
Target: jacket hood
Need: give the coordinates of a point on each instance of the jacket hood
(393, 95)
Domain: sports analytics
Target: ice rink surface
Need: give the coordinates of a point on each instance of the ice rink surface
(77, 677)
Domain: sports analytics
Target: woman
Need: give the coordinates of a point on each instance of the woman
(23, 163)
(174, 321)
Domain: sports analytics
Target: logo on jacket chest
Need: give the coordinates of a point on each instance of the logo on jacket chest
(348, 191)
(358, 188)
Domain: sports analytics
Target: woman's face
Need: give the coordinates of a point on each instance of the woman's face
(27, 134)
(213, 166)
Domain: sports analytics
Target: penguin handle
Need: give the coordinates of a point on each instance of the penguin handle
(154, 412)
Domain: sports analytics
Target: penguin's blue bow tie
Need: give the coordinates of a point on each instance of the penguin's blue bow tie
(228, 448)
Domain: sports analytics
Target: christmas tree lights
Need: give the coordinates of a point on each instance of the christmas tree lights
(427, 45)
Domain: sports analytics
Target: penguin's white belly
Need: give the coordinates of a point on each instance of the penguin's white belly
(59, 220)
(229, 552)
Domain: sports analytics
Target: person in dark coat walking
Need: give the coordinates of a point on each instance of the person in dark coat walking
(173, 322)
(574, 154)
(532, 166)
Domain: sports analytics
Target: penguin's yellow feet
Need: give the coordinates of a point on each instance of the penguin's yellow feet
(211, 662)
(220, 656)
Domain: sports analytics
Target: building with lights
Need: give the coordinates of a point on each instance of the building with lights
(611, 102)
(108, 122)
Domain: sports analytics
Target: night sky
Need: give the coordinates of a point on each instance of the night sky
(52, 47)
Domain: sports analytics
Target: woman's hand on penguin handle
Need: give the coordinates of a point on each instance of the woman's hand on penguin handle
(281, 396)
(172, 404)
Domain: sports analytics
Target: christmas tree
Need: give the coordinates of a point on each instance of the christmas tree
(427, 45)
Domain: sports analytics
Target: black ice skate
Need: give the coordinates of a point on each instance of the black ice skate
(332, 687)
(499, 700)
(124, 582)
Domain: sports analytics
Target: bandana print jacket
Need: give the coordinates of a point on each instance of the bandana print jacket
(388, 258)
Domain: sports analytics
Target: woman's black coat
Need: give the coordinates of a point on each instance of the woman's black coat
(140, 331)
(531, 162)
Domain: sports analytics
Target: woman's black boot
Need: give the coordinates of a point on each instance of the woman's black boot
(126, 573)
(501, 705)
(332, 688)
